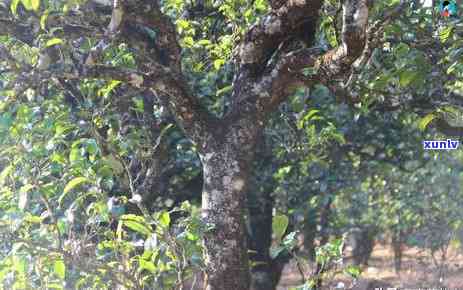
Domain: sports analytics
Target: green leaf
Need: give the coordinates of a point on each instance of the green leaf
(424, 122)
(55, 286)
(290, 241)
(182, 24)
(74, 183)
(279, 226)
(19, 264)
(115, 164)
(139, 105)
(133, 217)
(218, 63)
(137, 227)
(224, 90)
(53, 41)
(444, 35)
(275, 251)
(353, 271)
(406, 77)
(33, 219)
(136, 223)
(108, 88)
(14, 7)
(71, 185)
(204, 42)
(60, 269)
(164, 219)
(309, 71)
(74, 155)
(5, 173)
(43, 19)
(401, 50)
(312, 115)
(35, 5)
(27, 4)
(393, 2)
(189, 42)
(147, 265)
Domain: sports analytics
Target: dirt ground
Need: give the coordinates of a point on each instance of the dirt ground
(418, 271)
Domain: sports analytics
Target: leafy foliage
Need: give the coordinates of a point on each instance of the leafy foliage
(80, 205)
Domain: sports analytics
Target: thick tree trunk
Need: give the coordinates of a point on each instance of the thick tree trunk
(226, 169)
(224, 202)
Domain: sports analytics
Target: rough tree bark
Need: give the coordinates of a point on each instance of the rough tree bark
(266, 73)
(226, 167)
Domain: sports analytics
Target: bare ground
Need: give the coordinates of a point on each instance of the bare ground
(418, 271)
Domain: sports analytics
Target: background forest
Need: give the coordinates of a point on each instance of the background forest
(229, 144)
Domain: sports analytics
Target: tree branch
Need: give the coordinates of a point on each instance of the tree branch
(445, 128)
(295, 19)
(160, 62)
(263, 39)
(27, 31)
(280, 81)
(158, 58)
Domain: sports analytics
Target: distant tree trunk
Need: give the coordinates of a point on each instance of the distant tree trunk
(363, 245)
(260, 239)
(397, 241)
(310, 232)
(324, 237)
(266, 272)
(324, 221)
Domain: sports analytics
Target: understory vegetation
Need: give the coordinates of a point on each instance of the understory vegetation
(209, 144)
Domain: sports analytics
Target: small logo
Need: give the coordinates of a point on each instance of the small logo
(440, 145)
(448, 8)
